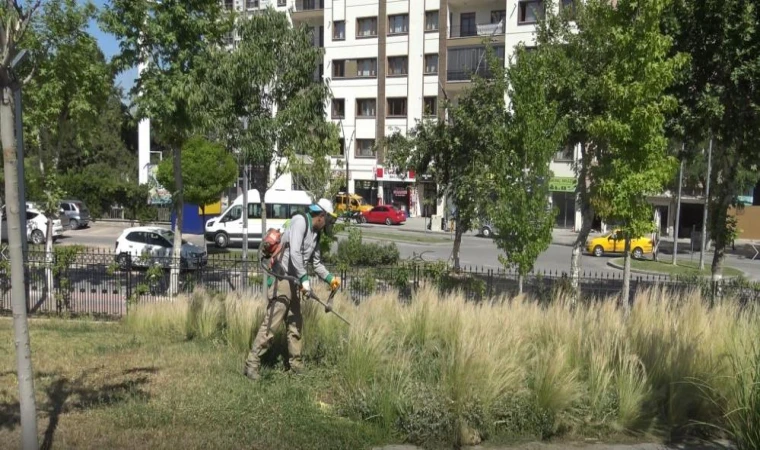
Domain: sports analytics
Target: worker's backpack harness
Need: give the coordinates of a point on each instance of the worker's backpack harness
(271, 247)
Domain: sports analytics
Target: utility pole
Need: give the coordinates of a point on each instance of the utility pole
(678, 210)
(245, 224)
(703, 244)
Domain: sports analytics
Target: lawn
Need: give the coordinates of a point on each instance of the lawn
(100, 385)
(432, 371)
(412, 238)
(684, 267)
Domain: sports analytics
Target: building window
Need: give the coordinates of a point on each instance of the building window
(365, 148)
(431, 64)
(569, 8)
(366, 67)
(565, 154)
(463, 63)
(397, 107)
(366, 107)
(339, 30)
(499, 16)
(398, 24)
(397, 65)
(530, 11)
(366, 27)
(467, 24)
(251, 4)
(339, 68)
(281, 2)
(338, 108)
(430, 106)
(431, 20)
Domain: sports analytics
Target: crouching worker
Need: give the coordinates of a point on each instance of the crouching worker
(299, 246)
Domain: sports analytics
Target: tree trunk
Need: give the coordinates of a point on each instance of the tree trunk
(719, 218)
(49, 263)
(625, 295)
(520, 282)
(179, 204)
(263, 231)
(587, 216)
(457, 244)
(244, 280)
(18, 292)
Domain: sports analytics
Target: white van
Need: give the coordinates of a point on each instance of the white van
(281, 206)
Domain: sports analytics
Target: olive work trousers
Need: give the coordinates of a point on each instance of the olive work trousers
(284, 306)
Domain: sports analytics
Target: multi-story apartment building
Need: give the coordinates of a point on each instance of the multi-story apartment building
(390, 64)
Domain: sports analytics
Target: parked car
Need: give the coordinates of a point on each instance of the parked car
(77, 212)
(350, 202)
(36, 227)
(386, 214)
(148, 246)
(65, 222)
(487, 229)
(614, 242)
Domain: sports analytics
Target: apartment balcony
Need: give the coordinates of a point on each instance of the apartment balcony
(473, 21)
(465, 63)
(311, 12)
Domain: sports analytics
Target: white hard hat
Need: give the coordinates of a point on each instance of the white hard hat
(324, 205)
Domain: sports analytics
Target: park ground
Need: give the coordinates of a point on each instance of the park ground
(99, 385)
(169, 375)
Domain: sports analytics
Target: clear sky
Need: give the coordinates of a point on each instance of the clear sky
(110, 46)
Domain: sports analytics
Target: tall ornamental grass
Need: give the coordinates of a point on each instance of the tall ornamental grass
(442, 370)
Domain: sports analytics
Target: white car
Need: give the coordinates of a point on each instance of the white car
(36, 227)
(148, 246)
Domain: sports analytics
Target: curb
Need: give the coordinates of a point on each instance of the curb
(667, 275)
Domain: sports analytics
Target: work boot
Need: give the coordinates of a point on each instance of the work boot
(297, 369)
(251, 369)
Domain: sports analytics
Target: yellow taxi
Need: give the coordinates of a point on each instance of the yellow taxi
(614, 242)
(350, 202)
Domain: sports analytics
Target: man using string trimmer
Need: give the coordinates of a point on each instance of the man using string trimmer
(290, 253)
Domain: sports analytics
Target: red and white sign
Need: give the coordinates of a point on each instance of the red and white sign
(383, 174)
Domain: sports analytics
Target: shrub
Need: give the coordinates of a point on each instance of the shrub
(352, 252)
(441, 370)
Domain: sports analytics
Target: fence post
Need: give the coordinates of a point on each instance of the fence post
(128, 277)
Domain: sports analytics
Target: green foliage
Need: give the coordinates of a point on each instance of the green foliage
(352, 252)
(207, 170)
(718, 97)
(272, 64)
(63, 258)
(525, 141)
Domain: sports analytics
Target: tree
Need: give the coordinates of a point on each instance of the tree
(262, 101)
(207, 170)
(718, 98)
(615, 67)
(170, 36)
(632, 162)
(15, 20)
(524, 143)
(70, 86)
(457, 155)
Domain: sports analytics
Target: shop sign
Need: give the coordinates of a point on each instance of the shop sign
(385, 174)
(399, 192)
(562, 184)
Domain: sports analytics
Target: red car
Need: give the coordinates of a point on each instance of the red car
(384, 214)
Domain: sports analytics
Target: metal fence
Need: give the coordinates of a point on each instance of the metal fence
(93, 283)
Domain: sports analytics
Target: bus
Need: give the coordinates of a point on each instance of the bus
(281, 206)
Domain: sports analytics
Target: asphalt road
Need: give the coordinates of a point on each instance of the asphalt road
(476, 252)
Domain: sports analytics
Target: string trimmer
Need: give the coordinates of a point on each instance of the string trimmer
(328, 306)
